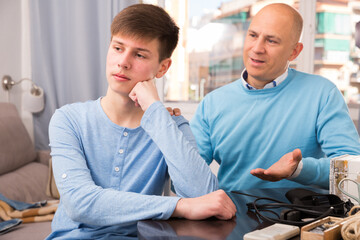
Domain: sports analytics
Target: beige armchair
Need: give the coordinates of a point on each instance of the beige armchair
(24, 172)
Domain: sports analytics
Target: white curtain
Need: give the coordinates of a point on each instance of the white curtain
(69, 41)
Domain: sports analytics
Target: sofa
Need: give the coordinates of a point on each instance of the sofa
(25, 174)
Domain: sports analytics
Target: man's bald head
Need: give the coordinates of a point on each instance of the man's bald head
(292, 16)
(272, 41)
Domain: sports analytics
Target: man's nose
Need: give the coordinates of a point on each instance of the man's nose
(259, 46)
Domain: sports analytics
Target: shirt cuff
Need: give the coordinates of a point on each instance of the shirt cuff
(297, 171)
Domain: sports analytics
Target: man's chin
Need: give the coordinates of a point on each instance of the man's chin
(256, 75)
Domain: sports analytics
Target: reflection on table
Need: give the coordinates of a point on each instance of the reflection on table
(182, 228)
(244, 222)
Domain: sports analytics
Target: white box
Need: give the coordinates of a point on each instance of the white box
(276, 231)
(345, 166)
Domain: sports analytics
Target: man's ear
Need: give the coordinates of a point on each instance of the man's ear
(164, 66)
(296, 51)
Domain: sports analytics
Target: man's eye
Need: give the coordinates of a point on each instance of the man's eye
(117, 49)
(140, 56)
(271, 41)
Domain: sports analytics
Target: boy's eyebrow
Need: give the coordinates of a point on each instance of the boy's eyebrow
(139, 49)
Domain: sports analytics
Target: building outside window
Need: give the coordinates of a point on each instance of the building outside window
(209, 54)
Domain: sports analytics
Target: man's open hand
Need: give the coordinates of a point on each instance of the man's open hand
(282, 169)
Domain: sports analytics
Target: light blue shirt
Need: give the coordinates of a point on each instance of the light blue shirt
(271, 84)
(110, 175)
(244, 129)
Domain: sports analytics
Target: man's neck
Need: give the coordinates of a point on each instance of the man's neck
(262, 83)
(121, 110)
(258, 84)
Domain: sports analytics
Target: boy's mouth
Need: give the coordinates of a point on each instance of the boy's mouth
(121, 77)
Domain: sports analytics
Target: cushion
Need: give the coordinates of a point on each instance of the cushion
(26, 184)
(39, 230)
(16, 147)
(51, 188)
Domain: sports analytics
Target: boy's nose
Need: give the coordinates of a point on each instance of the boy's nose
(124, 65)
(124, 61)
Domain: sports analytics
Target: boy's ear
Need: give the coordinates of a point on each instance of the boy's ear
(164, 66)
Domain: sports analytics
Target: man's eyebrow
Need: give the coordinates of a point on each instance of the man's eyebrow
(272, 36)
(252, 31)
(266, 35)
(139, 49)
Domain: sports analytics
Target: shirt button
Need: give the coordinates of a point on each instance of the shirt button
(121, 151)
(64, 175)
(117, 169)
(125, 134)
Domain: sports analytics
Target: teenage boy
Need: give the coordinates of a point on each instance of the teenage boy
(112, 156)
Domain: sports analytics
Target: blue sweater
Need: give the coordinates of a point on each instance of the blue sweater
(108, 175)
(244, 129)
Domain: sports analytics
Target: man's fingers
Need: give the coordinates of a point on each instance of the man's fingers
(177, 111)
(257, 171)
(263, 174)
(170, 111)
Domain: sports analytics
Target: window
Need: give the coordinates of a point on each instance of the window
(209, 54)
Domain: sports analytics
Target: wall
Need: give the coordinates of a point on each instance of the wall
(15, 54)
(10, 45)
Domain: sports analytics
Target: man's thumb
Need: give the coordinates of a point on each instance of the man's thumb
(297, 155)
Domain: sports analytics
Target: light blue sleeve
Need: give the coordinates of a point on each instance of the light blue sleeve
(337, 136)
(82, 199)
(188, 171)
(201, 131)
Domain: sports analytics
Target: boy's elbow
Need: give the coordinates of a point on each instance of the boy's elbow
(75, 215)
(79, 210)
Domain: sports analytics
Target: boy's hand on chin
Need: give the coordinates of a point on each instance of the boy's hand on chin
(144, 94)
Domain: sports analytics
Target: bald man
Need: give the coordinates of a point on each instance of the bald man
(275, 126)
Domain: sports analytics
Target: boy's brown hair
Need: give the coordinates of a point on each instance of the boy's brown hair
(149, 22)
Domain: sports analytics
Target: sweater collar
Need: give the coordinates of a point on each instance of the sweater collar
(272, 84)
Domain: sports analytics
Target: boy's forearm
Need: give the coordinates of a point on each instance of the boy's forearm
(191, 176)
